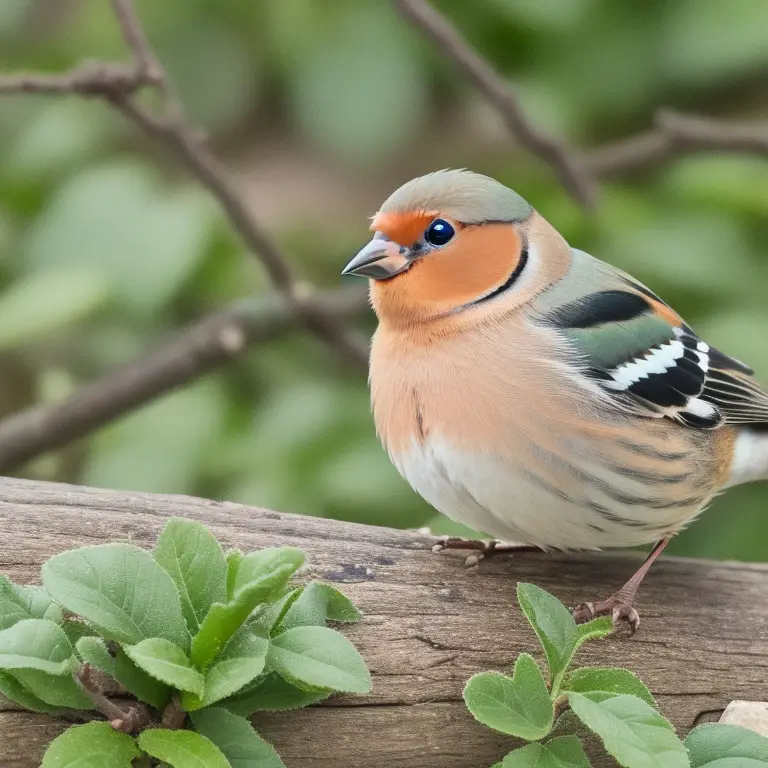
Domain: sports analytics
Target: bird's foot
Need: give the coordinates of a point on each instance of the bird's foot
(625, 617)
(481, 549)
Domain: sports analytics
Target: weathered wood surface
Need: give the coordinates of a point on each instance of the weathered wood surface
(429, 624)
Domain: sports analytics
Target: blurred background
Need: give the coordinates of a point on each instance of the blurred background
(323, 108)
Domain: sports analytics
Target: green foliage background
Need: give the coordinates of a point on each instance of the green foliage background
(322, 109)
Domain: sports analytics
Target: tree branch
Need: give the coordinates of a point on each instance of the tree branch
(214, 341)
(675, 134)
(91, 79)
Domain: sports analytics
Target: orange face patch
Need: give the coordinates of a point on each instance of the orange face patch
(404, 228)
(478, 260)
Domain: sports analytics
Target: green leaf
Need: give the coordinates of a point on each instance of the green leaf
(316, 604)
(234, 556)
(721, 745)
(609, 679)
(43, 302)
(270, 615)
(563, 752)
(182, 749)
(594, 630)
(191, 556)
(35, 644)
(255, 567)
(93, 745)
(553, 625)
(145, 687)
(166, 662)
(75, 629)
(630, 729)
(256, 580)
(319, 657)
(93, 650)
(273, 694)
(119, 589)
(56, 690)
(237, 740)
(14, 690)
(20, 602)
(517, 705)
(241, 661)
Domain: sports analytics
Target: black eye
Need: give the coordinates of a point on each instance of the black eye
(439, 232)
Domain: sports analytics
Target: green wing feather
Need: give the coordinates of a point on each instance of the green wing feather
(608, 345)
(617, 329)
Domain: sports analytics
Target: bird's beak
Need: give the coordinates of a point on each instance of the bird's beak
(379, 259)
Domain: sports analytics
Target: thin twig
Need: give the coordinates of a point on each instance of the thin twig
(676, 134)
(214, 341)
(565, 162)
(92, 79)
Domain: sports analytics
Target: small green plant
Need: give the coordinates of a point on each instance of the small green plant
(611, 702)
(200, 639)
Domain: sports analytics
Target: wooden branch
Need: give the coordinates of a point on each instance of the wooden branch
(429, 624)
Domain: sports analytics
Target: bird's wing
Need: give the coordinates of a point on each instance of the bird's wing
(641, 351)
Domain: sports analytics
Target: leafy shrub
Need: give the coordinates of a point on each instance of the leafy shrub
(198, 638)
(611, 702)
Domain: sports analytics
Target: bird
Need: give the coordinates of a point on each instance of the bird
(537, 394)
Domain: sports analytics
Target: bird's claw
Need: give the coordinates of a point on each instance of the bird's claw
(482, 549)
(625, 617)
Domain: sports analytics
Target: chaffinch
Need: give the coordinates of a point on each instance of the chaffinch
(534, 393)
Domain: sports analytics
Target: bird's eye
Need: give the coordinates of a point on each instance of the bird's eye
(439, 232)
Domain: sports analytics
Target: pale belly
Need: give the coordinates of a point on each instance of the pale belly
(584, 506)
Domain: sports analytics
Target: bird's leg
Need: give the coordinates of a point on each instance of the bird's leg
(482, 549)
(620, 604)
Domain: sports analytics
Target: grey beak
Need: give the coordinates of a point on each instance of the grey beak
(379, 259)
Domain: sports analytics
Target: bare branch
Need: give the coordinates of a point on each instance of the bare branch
(674, 135)
(213, 342)
(566, 163)
(91, 79)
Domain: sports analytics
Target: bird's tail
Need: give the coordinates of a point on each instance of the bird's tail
(750, 459)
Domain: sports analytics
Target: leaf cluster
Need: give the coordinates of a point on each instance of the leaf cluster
(611, 702)
(201, 639)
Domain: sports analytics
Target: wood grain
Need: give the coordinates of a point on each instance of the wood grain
(429, 624)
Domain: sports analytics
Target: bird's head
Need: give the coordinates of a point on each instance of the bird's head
(442, 243)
